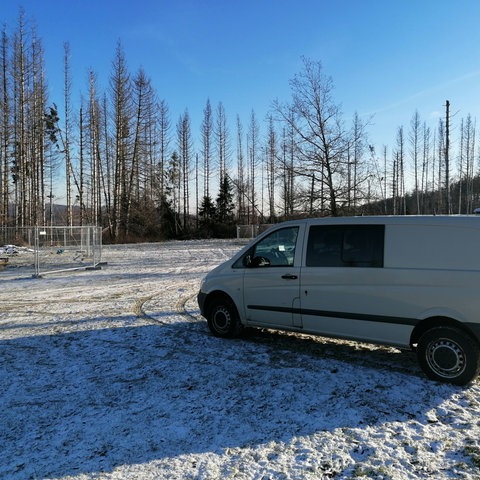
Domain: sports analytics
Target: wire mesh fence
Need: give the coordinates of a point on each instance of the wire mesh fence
(43, 250)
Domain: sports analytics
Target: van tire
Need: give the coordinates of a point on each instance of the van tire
(448, 354)
(223, 320)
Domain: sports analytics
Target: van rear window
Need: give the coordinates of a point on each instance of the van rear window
(345, 246)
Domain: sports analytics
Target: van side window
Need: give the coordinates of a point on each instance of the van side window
(276, 249)
(345, 246)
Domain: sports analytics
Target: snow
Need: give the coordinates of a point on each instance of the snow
(9, 250)
(112, 374)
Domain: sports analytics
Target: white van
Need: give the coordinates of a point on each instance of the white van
(407, 281)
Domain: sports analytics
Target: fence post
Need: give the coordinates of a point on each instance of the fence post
(36, 251)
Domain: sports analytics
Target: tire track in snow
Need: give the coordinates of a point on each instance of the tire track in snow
(175, 308)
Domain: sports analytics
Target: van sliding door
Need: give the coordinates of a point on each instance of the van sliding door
(343, 282)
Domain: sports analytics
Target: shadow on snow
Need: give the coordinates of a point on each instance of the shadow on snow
(89, 401)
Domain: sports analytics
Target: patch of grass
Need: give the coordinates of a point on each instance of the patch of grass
(473, 453)
(370, 472)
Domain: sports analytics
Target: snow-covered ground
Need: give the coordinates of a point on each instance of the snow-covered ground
(112, 374)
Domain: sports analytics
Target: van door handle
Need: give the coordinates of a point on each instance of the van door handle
(289, 277)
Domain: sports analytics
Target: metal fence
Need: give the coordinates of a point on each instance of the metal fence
(50, 249)
(251, 231)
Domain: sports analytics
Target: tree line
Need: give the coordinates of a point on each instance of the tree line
(126, 166)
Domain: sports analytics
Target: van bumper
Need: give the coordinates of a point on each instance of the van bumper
(201, 297)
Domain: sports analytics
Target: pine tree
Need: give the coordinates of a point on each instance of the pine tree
(225, 205)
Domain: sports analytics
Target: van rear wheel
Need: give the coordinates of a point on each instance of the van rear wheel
(222, 318)
(448, 354)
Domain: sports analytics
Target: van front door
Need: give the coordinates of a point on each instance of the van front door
(271, 285)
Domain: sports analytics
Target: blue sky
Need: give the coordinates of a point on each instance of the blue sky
(386, 58)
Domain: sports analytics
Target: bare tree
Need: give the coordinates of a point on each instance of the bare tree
(466, 165)
(399, 175)
(39, 139)
(30, 138)
(4, 130)
(470, 137)
(143, 101)
(447, 157)
(207, 132)
(94, 134)
(185, 148)
(425, 166)
(20, 131)
(441, 167)
(288, 168)
(253, 162)
(67, 129)
(322, 140)
(221, 132)
(81, 167)
(149, 144)
(271, 161)
(415, 149)
(241, 184)
(358, 172)
(173, 187)
(385, 175)
(164, 141)
(122, 137)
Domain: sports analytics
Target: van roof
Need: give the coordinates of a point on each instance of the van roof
(465, 220)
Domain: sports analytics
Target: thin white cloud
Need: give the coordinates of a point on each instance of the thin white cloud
(428, 91)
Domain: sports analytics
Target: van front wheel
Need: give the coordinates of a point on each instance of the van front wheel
(448, 354)
(223, 318)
